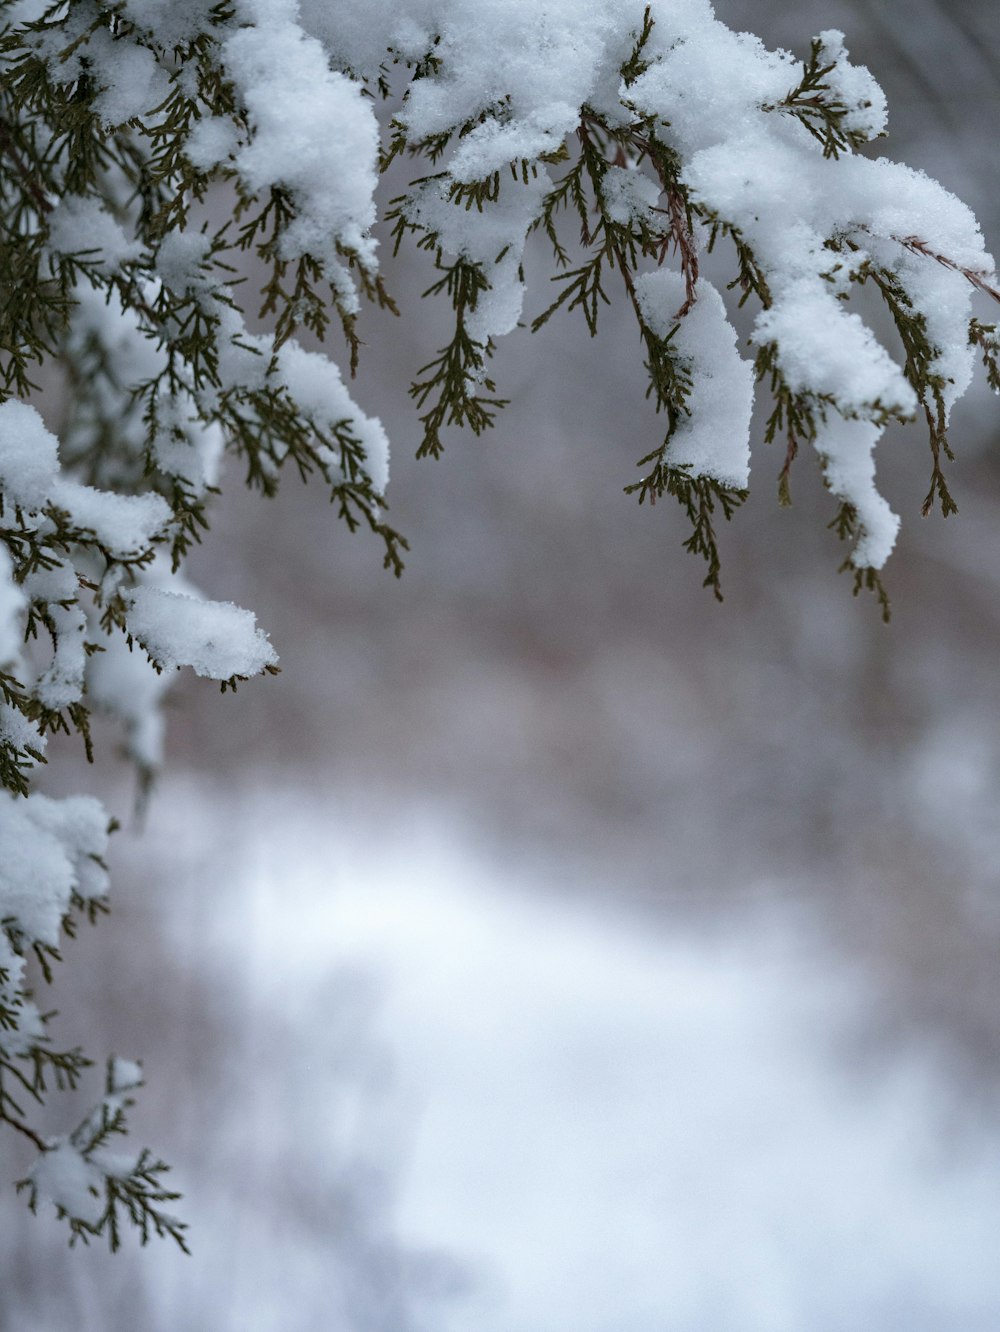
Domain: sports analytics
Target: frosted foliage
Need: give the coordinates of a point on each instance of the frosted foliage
(515, 78)
(541, 61)
(628, 194)
(481, 236)
(831, 351)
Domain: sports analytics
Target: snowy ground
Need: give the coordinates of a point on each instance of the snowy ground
(445, 1098)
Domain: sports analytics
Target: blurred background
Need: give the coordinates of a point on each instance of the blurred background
(549, 947)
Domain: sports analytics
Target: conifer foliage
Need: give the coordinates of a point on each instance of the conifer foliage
(154, 153)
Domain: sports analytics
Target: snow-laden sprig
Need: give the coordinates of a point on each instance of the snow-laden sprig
(93, 1188)
(671, 134)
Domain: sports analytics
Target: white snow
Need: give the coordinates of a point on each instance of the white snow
(315, 384)
(493, 237)
(846, 448)
(713, 439)
(29, 455)
(629, 194)
(49, 848)
(66, 1178)
(853, 87)
(216, 638)
(827, 350)
(12, 605)
(29, 475)
(313, 133)
(80, 225)
(125, 524)
(123, 683)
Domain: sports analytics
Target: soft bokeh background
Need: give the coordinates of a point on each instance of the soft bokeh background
(548, 947)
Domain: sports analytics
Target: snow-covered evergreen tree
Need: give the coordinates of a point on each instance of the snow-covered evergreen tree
(633, 140)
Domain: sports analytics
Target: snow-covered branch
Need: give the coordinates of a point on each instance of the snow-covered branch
(632, 140)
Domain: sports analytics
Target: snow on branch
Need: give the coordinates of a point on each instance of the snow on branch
(157, 153)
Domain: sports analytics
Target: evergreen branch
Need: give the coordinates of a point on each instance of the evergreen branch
(845, 524)
(987, 339)
(699, 496)
(816, 107)
(9, 149)
(927, 382)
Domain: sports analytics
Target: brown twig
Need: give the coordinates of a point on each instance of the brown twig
(977, 278)
(28, 1132)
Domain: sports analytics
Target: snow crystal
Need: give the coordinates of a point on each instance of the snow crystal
(216, 638)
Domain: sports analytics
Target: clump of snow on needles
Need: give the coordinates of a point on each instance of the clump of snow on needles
(712, 440)
(52, 849)
(216, 638)
(30, 476)
(504, 83)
